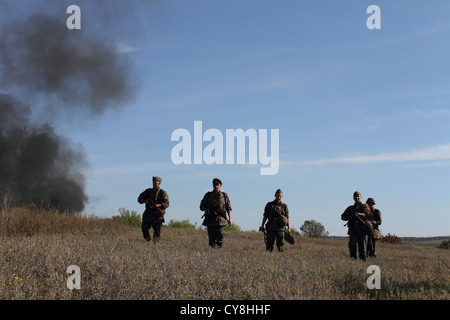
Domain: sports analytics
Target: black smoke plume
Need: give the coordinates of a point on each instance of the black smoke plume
(74, 71)
(57, 73)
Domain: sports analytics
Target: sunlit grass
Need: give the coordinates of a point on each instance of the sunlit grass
(116, 263)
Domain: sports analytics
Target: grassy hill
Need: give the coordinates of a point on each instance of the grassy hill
(115, 262)
(424, 241)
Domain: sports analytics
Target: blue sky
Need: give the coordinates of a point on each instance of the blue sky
(356, 109)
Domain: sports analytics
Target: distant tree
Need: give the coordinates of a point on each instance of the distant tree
(445, 244)
(183, 224)
(233, 227)
(314, 229)
(131, 218)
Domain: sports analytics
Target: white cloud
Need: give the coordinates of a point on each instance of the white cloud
(441, 152)
(126, 48)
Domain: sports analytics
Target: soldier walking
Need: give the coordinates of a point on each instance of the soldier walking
(376, 221)
(357, 216)
(216, 205)
(156, 202)
(276, 213)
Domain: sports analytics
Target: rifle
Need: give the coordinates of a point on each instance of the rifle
(365, 222)
(265, 233)
(153, 205)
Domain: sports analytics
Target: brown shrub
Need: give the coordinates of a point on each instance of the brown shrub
(390, 238)
(33, 221)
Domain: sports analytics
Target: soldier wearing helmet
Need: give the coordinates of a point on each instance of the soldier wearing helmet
(276, 213)
(357, 216)
(375, 221)
(156, 202)
(216, 205)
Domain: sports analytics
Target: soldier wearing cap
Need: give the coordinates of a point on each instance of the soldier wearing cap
(357, 216)
(276, 213)
(376, 221)
(156, 202)
(216, 205)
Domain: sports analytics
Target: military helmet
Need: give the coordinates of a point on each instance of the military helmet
(370, 201)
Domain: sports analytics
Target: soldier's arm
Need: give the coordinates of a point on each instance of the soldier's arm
(143, 197)
(288, 223)
(263, 222)
(229, 218)
(365, 212)
(345, 216)
(203, 206)
(362, 215)
(228, 205)
(378, 218)
(286, 211)
(265, 215)
(165, 203)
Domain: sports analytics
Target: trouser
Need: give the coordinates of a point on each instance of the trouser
(146, 226)
(271, 236)
(371, 245)
(215, 235)
(357, 240)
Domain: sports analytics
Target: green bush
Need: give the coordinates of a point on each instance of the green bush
(233, 227)
(131, 218)
(294, 232)
(445, 244)
(183, 224)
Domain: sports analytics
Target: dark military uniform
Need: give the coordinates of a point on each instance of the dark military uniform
(357, 230)
(153, 216)
(376, 221)
(216, 205)
(277, 215)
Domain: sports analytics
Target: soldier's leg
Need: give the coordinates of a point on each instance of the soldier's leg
(370, 246)
(362, 245)
(352, 244)
(280, 240)
(156, 231)
(211, 236)
(145, 227)
(270, 240)
(374, 245)
(219, 236)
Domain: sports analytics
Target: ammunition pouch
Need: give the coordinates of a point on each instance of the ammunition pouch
(376, 234)
(214, 218)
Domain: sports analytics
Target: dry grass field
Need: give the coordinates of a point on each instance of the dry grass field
(116, 263)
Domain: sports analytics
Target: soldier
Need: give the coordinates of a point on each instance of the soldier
(376, 221)
(216, 205)
(156, 202)
(357, 216)
(276, 213)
